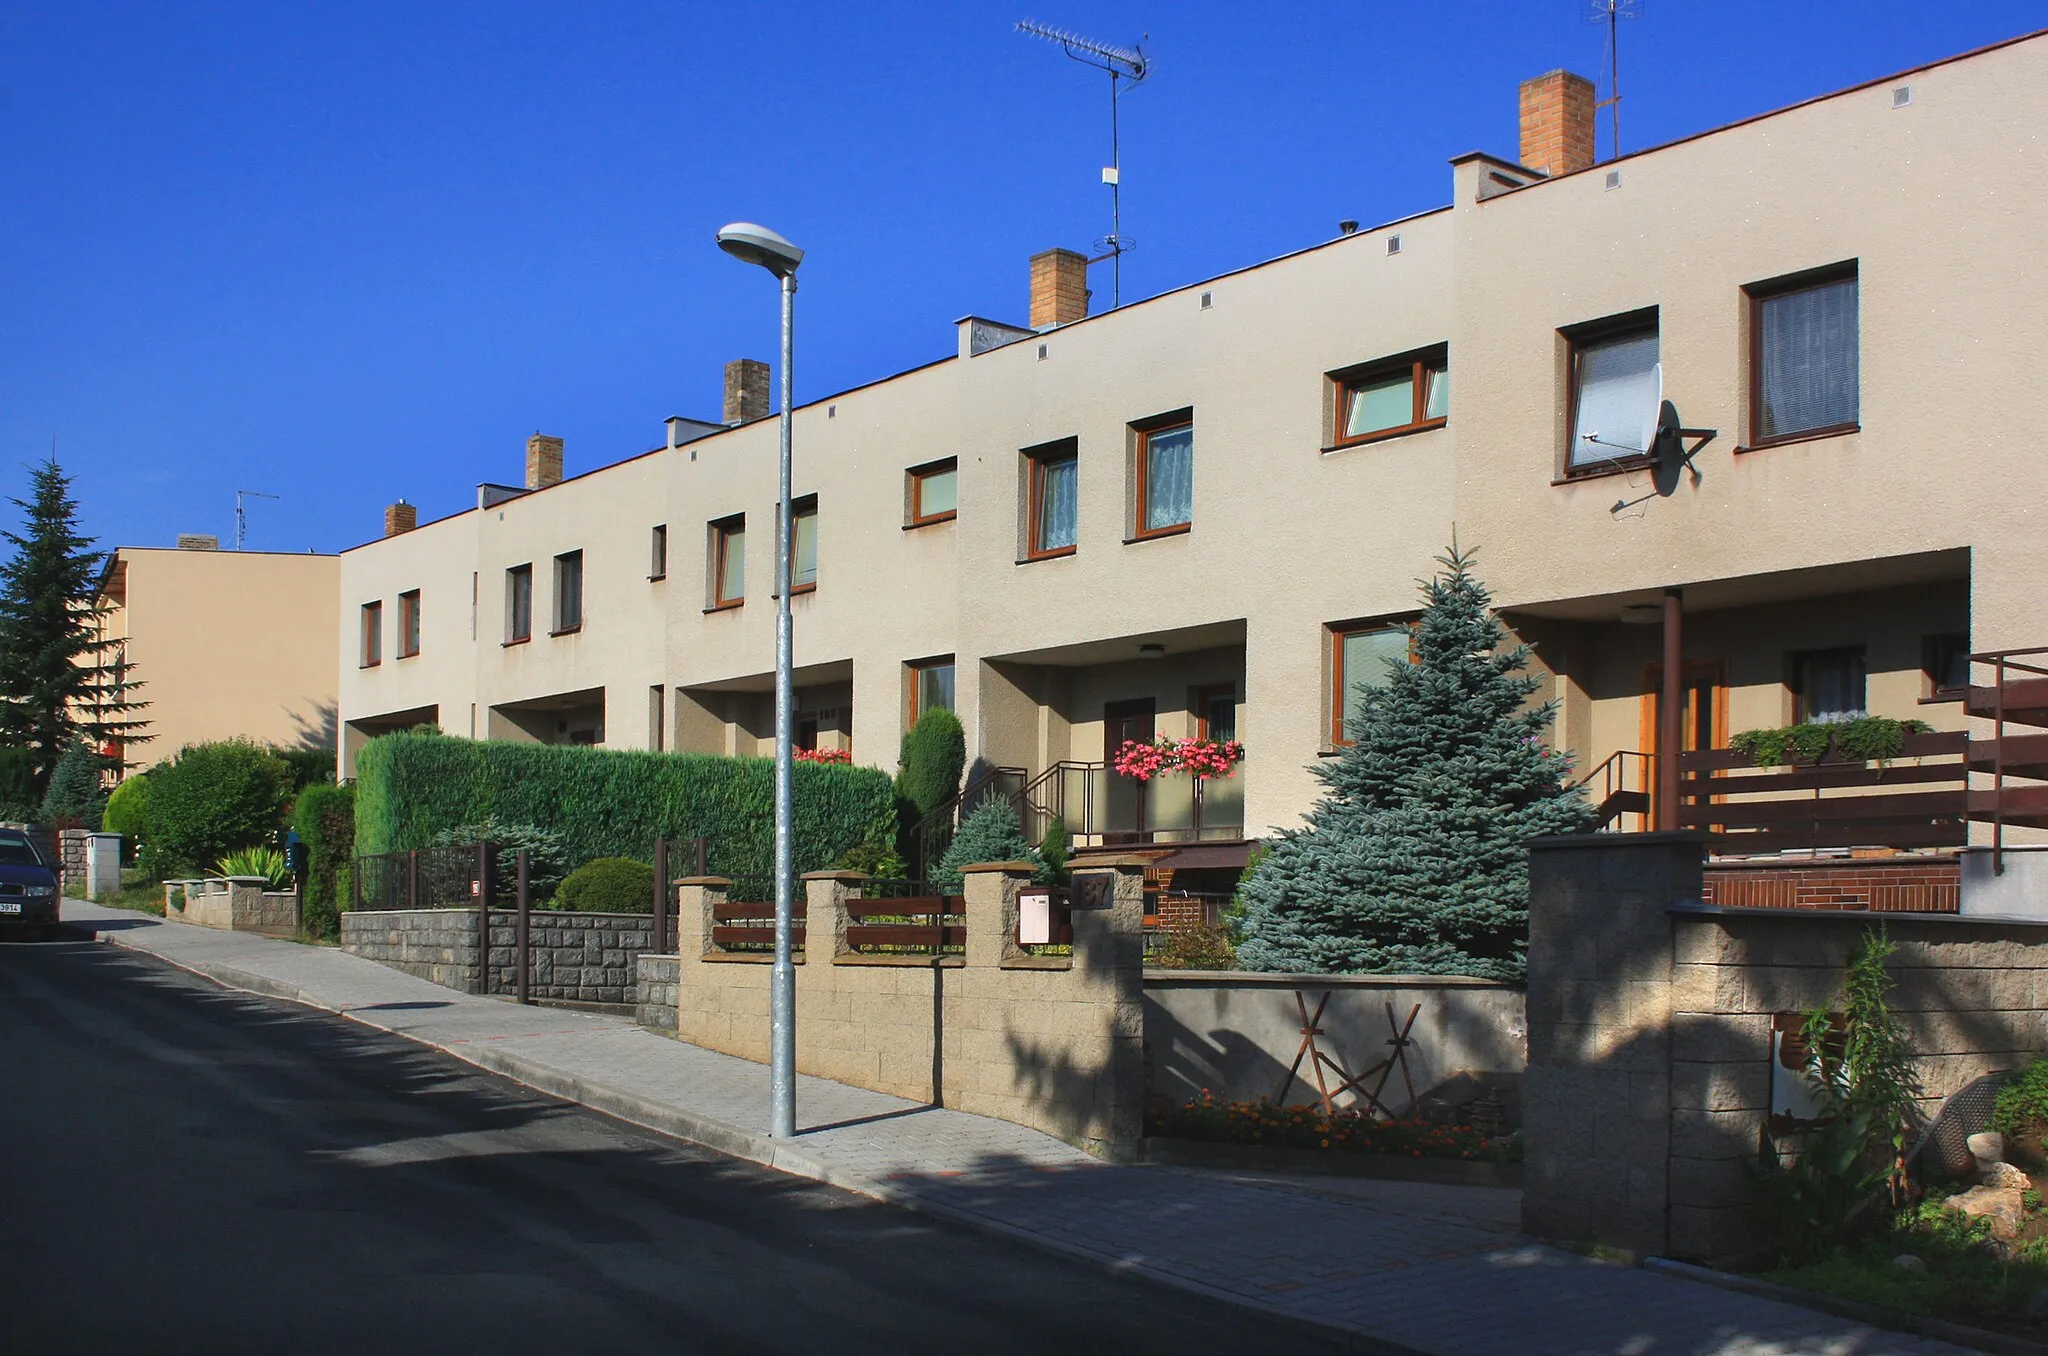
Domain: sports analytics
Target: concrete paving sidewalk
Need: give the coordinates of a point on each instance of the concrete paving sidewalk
(1438, 1271)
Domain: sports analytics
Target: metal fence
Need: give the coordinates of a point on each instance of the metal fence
(425, 878)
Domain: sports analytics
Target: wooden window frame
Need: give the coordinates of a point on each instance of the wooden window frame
(1338, 682)
(1577, 339)
(657, 551)
(801, 505)
(915, 515)
(722, 531)
(1418, 364)
(1141, 455)
(1038, 458)
(1199, 698)
(370, 636)
(1754, 296)
(1930, 667)
(512, 576)
(409, 624)
(914, 671)
(562, 567)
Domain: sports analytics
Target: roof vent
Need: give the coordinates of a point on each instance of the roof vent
(1394, 243)
(1207, 301)
(1901, 95)
(1614, 178)
(198, 541)
(1347, 227)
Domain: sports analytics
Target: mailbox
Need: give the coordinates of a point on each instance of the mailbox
(1042, 916)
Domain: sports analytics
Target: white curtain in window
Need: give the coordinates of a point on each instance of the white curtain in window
(1617, 398)
(1169, 478)
(1809, 347)
(1056, 506)
(804, 567)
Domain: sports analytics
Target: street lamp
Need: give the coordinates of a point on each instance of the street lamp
(752, 244)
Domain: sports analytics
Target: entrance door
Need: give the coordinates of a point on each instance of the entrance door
(1702, 721)
(1123, 818)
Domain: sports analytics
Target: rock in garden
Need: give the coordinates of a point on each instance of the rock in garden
(1906, 1261)
(2001, 1205)
(2005, 1175)
(1987, 1147)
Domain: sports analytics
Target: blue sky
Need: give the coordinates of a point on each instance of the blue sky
(350, 250)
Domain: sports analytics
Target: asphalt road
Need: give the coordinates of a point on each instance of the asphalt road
(184, 1169)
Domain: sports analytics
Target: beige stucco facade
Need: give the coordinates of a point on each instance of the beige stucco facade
(226, 644)
(1921, 522)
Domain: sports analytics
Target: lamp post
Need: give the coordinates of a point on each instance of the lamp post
(753, 244)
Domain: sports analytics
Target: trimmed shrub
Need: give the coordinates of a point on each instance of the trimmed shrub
(613, 803)
(933, 756)
(127, 811)
(210, 800)
(324, 817)
(607, 885)
(75, 799)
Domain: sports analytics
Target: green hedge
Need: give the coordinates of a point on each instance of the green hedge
(611, 803)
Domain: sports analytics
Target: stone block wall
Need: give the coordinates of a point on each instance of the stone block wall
(233, 904)
(1052, 1042)
(432, 944)
(1878, 884)
(1650, 1017)
(577, 957)
(654, 991)
(1234, 1034)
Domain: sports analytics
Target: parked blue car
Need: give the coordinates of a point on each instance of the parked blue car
(28, 888)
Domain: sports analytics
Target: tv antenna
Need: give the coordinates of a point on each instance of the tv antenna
(242, 515)
(1611, 13)
(1122, 64)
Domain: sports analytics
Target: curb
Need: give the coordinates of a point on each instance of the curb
(1939, 1328)
(735, 1142)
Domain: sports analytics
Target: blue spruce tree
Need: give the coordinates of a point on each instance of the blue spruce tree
(1415, 860)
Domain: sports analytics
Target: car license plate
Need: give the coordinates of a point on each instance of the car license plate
(10, 906)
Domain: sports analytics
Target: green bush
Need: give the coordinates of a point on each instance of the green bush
(75, 799)
(609, 803)
(2023, 1103)
(607, 885)
(933, 755)
(127, 811)
(211, 800)
(19, 802)
(324, 817)
(1868, 739)
(310, 767)
(1054, 849)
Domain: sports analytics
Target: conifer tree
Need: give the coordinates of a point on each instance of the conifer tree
(60, 680)
(990, 834)
(75, 799)
(1415, 859)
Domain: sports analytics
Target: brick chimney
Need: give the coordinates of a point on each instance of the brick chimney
(1557, 123)
(543, 461)
(746, 390)
(1059, 288)
(400, 517)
